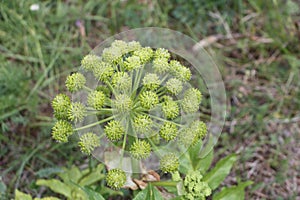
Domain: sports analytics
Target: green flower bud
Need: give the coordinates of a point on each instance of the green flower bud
(170, 108)
(60, 105)
(179, 71)
(75, 82)
(88, 142)
(169, 163)
(76, 112)
(194, 187)
(121, 45)
(61, 131)
(96, 99)
(122, 103)
(134, 46)
(112, 55)
(89, 62)
(121, 81)
(151, 81)
(174, 86)
(145, 54)
(176, 176)
(148, 99)
(200, 129)
(116, 178)
(132, 62)
(142, 123)
(191, 135)
(162, 53)
(168, 131)
(140, 149)
(114, 131)
(103, 71)
(192, 99)
(161, 65)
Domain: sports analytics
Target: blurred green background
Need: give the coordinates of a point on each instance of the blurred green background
(257, 46)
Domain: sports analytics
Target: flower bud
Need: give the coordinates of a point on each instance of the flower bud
(75, 82)
(114, 131)
(115, 178)
(60, 105)
(76, 112)
(145, 54)
(134, 46)
(169, 163)
(194, 187)
(174, 86)
(89, 62)
(192, 99)
(112, 55)
(88, 142)
(162, 53)
(142, 123)
(132, 62)
(170, 108)
(140, 149)
(121, 81)
(148, 99)
(168, 131)
(61, 131)
(151, 81)
(161, 65)
(122, 103)
(179, 71)
(103, 71)
(96, 99)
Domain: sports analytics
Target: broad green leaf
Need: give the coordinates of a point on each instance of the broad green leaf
(149, 193)
(47, 198)
(215, 176)
(204, 163)
(232, 193)
(93, 195)
(56, 186)
(93, 177)
(110, 192)
(46, 172)
(22, 196)
(72, 175)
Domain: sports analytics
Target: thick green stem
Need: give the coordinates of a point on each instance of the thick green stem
(165, 183)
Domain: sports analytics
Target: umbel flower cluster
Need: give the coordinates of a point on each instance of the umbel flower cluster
(143, 100)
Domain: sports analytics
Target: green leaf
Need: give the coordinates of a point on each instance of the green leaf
(46, 172)
(92, 177)
(204, 163)
(93, 195)
(22, 196)
(2, 186)
(215, 176)
(72, 175)
(149, 193)
(232, 193)
(56, 186)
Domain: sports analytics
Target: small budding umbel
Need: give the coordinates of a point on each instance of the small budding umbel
(141, 91)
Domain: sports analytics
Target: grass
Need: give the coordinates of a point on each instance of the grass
(257, 47)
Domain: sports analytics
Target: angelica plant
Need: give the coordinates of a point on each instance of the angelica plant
(144, 103)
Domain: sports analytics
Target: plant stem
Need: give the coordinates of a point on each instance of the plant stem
(164, 183)
(95, 123)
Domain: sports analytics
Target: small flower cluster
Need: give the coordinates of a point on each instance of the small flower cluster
(132, 82)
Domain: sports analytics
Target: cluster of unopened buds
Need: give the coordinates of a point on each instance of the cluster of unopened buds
(143, 100)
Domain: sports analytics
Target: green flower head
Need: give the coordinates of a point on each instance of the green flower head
(88, 142)
(151, 81)
(75, 82)
(200, 129)
(194, 187)
(162, 53)
(169, 163)
(148, 99)
(179, 71)
(134, 46)
(192, 99)
(60, 105)
(96, 99)
(76, 112)
(142, 123)
(90, 62)
(122, 103)
(114, 131)
(61, 131)
(145, 54)
(174, 86)
(115, 178)
(168, 131)
(103, 71)
(120, 45)
(161, 65)
(132, 62)
(170, 108)
(140, 149)
(121, 81)
(112, 55)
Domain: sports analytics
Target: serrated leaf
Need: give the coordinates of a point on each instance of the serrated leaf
(56, 186)
(215, 176)
(232, 193)
(22, 196)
